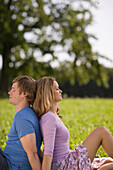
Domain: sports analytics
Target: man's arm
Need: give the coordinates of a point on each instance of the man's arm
(46, 163)
(29, 145)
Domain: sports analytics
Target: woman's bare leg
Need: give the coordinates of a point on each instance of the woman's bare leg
(100, 136)
(108, 166)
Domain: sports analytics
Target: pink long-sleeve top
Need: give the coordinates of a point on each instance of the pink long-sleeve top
(55, 136)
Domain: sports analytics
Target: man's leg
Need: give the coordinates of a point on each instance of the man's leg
(3, 161)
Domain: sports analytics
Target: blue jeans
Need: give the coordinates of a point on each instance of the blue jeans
(3, 161)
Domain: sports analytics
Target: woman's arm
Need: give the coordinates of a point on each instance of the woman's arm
(46, 164)
(48, 125)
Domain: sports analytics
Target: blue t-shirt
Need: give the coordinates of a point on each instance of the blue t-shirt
(25, 122)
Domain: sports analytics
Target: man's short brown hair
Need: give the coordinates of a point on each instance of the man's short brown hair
(26, 85)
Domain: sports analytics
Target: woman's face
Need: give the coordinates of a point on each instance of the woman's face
(57, 92)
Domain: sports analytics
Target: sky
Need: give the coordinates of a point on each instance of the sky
(102, 27)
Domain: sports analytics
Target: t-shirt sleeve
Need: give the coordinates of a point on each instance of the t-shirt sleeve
(23, 126)
(48, 128)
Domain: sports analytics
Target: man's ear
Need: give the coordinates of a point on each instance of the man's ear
(24, 94)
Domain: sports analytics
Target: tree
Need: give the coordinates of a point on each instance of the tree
(33, 30)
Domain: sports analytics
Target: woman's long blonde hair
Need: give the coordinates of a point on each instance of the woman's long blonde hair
(44, 95)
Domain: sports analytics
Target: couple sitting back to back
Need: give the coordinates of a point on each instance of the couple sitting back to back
(24, 138)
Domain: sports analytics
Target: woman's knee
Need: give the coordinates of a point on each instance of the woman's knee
(102, 130)
(103, 133)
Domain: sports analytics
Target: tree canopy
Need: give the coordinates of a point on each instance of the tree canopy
(36, 34)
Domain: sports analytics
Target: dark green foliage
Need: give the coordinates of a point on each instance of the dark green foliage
(91, 89)
(31, 30)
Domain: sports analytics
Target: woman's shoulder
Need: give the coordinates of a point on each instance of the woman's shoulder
(49, 116)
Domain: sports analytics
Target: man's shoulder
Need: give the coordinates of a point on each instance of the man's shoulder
(26, 113)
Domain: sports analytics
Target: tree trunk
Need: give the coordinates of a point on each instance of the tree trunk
(4, 81)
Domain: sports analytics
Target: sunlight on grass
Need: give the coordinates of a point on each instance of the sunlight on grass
(81, 116)
(7, 112)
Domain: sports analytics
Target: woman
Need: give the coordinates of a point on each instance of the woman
(56, 136)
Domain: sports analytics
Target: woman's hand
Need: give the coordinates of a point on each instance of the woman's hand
(46, 163)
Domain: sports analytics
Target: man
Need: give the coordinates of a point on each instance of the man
(24, 138)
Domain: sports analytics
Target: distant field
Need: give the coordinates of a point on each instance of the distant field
(81, 116)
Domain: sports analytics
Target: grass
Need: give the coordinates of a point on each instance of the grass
(81, 116)
(7, 112)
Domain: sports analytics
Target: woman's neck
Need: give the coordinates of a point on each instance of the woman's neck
(53, 109)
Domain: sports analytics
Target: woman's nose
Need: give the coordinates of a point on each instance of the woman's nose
(60, 91)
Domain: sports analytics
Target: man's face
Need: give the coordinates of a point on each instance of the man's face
(15, 97)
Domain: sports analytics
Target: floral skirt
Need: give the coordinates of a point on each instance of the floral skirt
(78, 159)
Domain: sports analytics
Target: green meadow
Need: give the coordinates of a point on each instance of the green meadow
(81, 116)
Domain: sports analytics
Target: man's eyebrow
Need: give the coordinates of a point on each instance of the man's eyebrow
(13, 87)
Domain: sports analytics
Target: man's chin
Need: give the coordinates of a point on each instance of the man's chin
(10, 102)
